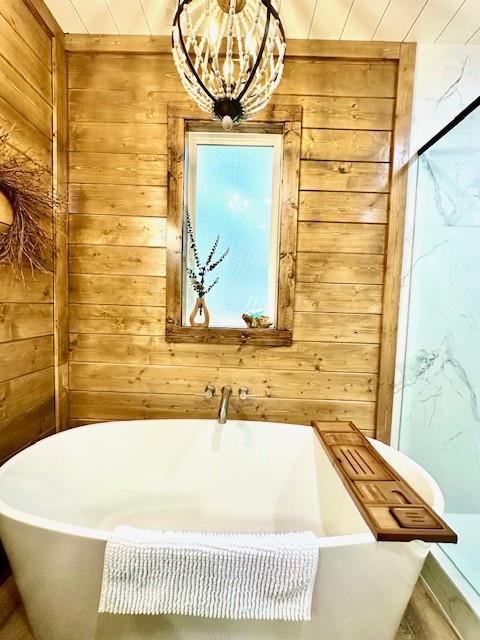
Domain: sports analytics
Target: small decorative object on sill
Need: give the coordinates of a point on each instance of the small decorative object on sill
(26, 208)
(200, 307)
(257, 321)
(198, 274)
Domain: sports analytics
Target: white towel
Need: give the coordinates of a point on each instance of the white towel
(237, 576)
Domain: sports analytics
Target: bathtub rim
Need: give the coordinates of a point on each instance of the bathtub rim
(24, 517)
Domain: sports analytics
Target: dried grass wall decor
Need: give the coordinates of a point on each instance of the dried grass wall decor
(26, 207)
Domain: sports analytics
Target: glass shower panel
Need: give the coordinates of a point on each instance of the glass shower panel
(440, 418)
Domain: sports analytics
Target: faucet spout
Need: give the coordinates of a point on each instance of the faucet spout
(223, 408)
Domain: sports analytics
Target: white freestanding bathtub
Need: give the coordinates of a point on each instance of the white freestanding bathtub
(60, 497)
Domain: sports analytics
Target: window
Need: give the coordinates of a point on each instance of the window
(243, 187)
(232, 190)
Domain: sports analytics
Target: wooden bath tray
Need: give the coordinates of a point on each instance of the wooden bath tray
(391, 508)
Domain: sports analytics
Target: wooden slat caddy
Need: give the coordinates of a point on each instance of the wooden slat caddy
(391, 508)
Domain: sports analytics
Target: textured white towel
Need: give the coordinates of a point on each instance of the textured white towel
(238, 576)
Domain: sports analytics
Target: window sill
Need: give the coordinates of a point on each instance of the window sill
(219, 335)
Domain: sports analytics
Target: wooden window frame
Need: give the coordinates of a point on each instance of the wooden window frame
(180, 118)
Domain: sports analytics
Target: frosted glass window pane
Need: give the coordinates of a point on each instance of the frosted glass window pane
(233, 199)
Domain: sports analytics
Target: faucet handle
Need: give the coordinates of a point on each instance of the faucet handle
(209, 391)
(243, 393)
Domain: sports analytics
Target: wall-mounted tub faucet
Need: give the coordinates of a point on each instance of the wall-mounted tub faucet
(243, 393)
(209, 391)
(223, 408)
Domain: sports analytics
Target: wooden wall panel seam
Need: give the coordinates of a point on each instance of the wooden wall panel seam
(28, 65)
(157, 335)
(338, 206)
(19, 321)
(299, 48)
(21, 115)
(327, 112)
(24, 99)
(28, 373)
(218, 367)
(20, 16)
(143, 349)
(280, 384)
(34, 37)
(22, 357)
(339, 313)
(35, 387)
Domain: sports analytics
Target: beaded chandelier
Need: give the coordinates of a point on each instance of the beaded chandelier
(229, 54)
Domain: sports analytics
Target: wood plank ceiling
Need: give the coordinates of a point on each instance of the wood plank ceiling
(439, 21)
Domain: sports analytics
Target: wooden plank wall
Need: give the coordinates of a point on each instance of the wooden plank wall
(26, 310)
(121, 367)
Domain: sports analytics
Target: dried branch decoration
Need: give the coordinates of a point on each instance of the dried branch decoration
(197, 276)
(25, 185)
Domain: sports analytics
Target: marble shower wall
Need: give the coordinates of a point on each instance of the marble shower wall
(447, 79)
(437, 400)
(441, 399)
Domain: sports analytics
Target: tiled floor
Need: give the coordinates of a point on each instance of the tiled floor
(465, 554)
(16, 627)
(404, 633)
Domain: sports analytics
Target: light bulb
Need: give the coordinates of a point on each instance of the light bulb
(227, 123)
